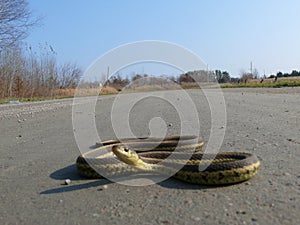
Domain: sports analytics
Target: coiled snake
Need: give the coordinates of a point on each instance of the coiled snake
(179, 156)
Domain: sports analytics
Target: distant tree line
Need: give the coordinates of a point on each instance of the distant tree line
(294, 73)
(202, 76)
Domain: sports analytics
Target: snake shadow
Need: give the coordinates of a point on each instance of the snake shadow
(70, 172)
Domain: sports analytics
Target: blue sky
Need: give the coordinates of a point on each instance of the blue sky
(226, 35)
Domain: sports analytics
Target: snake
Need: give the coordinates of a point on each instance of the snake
(181, 157)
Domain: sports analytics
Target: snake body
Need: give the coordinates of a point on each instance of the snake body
(178, 156)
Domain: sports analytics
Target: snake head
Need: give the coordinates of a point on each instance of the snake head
(126, 155)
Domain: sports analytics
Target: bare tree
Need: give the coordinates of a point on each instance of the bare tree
(69, 76)
(245, 76)
(15, 21)
(29, 74)
(11, 66)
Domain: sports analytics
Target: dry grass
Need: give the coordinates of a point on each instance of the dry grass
(184, 85)
(85, 91)
(270, 82)
(65, 92)
(201, 85)
(147, 88)
(108, 90)
(188, 85)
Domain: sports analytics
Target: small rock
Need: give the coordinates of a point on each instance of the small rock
(241, 212)
(197, 218)
(270, 182)
(104, 187)
(16, 102)
(188, 201)
(67, 181)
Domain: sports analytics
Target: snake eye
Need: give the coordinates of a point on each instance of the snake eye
(126, 149)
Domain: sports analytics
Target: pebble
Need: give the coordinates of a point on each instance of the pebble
(189, 201)
(104, 187)
(67, 181)
(16, 102)
(196, 218)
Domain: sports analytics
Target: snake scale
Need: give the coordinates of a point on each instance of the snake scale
(179, 156)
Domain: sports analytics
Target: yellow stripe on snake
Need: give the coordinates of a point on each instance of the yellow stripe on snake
(179, 156)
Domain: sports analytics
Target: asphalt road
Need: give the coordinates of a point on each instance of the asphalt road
(38, 150)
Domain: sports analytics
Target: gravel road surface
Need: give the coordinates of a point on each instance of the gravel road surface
(38, 151)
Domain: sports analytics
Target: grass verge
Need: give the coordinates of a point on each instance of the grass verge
(281, 83)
